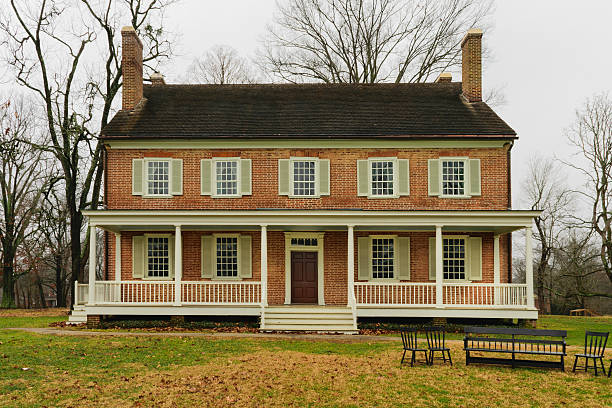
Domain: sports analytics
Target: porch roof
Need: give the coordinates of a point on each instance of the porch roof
(503, 221)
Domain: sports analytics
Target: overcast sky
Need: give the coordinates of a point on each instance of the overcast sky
(549, 56)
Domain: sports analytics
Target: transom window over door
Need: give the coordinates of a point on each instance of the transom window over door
(383, 256)
(226, 177)
(382, 178)
(227, 257)
(158, 177)
(158, 257)
(453, 177)
(453, 251)
(304, 178)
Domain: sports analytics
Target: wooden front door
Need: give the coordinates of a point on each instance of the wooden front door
(304, 277)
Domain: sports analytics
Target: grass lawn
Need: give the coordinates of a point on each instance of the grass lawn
(183, 371)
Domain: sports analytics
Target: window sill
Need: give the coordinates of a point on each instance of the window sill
(158, 196)
(374, 197)
(222, 196)
(157, 278)
(461, 197)
(304, 196)
(225, 279)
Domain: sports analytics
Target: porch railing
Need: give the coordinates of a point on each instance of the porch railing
(405, 293)
(485, 294)
(221, 293)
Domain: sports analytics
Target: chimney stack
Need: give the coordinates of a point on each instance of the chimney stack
(445, 77)
(132, 68)
(471, 65)
(157, 79)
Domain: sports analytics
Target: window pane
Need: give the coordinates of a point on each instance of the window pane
(158, 262)
(453, 258)
(227, 256)
(304, 241)
(304, 178)
(453, 177)
(382, 258)
(157, 177)
(227, 177)
(382, 178)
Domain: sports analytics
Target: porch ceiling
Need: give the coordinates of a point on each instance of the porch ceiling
(320, 220)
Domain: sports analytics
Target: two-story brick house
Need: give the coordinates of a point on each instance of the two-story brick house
(308, 205)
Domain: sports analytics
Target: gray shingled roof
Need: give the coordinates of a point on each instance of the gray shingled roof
(306, 111)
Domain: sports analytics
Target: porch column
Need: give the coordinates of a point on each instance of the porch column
(178, 264)
(351, 266)
(496, 269)
(117, 256)
(264, 265)
(529, 266)
(439, 267)
(92, 265)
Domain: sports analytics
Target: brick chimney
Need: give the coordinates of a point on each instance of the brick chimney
(445, 77)
(471, 65)
(157, 79)
(132, 68)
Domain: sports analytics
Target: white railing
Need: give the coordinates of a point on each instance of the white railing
(81, 291)
(221, 293)
(485, 294)
(390, 293)
(135, 292)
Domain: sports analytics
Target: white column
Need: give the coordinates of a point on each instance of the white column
(496, 268)
(117, 256)
(529, 266)
(264, 266)
(92, 265)
(178, 264)
(439, 267)
(351, 265)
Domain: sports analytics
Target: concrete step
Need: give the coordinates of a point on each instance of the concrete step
(309, 322)
(348, 329)
(308, 310)
(314, 316)
(334, 319)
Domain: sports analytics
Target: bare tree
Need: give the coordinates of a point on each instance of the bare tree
(545, 189)
(592, 137)
(23, 180)
(48, 44)
(221, 65)
(369, 41)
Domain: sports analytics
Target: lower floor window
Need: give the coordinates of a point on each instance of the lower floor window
(227, 256)
(454, 258)
(158, 259)
(383, 254)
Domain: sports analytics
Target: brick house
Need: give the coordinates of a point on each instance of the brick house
(308, 205)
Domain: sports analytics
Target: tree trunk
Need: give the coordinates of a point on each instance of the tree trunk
(41, 292)
(59, 282)
(8, 278)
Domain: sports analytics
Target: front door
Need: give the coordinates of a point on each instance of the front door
(304, 277)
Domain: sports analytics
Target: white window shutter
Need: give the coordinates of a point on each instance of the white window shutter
(283, 177)
(363, 177)
(433, 170)
(176, 183)
(404, 258)
(138, 256)
(363, 257)
(245, 177)
(137, 176)
(474, 175)
(432, 258)
(171, 256)
(245, 257)
(475, 254)
(206, 177)
(208, 256)
(324, 181)
(403, 177)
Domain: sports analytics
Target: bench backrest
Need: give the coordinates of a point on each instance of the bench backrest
(516, 332)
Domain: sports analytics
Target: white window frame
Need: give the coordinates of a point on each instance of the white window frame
(214, 162)
(170, 256)
(466, 176)
(395, 277)
(146, 161)
(317, 178)
(215, 275)
(466, 261)
(395, 176)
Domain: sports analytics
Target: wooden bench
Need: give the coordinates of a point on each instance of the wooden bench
(515, 342)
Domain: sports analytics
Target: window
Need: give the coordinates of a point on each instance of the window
(453, 177)
(383, 257)
(158, 177)
(453, 250)
(226, 177)
(227, 257)
(304, 242)
(304, 177)
(382, 178)
(158, 257)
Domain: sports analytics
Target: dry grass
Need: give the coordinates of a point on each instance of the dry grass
(33, 312)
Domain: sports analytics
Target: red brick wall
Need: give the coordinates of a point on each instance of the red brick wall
(343, 176)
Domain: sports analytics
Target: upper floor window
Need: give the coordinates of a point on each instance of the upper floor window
(303, 177)
(158, 177)
(383, 177)
(453, 177)
(226, 177)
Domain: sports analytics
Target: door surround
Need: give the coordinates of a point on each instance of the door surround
(289, 247)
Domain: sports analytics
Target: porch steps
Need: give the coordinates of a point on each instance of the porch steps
(78, 315)
(319, 319)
